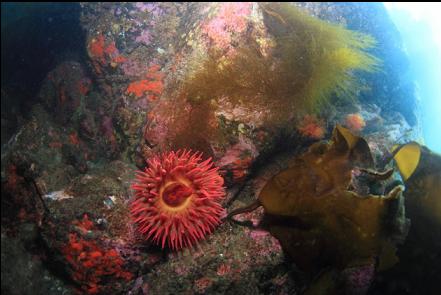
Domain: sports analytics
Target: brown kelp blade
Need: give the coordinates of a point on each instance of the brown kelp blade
(421, 171)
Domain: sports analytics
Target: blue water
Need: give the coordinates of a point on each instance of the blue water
(419, 39)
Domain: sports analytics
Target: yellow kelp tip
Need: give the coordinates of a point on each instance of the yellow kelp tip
(407, 158)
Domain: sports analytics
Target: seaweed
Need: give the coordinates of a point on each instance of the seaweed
(312, 62)
(319, 222)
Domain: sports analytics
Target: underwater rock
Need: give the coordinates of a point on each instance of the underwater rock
(201, 115)
(144, 38)
(232, 259)
(18, 265)
(65, 90)
(86, 236)
(214, 77)
(227, 258)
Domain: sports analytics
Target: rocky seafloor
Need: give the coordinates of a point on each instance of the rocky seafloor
(100, 111)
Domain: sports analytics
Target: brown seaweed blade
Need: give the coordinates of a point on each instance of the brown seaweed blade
(317, 221)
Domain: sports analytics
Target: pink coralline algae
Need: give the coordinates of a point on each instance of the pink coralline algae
(108, 131)
(182, 270)
(144, 38)
(231, 19)
(158, 128)
(243, 146)
(132, 68)
(358, 279)
(149, 7)
(223, 269)
(255, 217)
(143, 7)
(268, 244)
(239, 158)
(203, 284)
(258, 234)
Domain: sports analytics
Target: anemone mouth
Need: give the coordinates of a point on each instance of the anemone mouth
(176, 195)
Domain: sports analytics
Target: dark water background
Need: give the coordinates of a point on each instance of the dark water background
(35, 37)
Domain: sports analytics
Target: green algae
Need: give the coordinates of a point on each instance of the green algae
(311, 63)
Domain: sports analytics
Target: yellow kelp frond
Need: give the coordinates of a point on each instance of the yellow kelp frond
(421, 171)
(343, 136)
(358, 148)
(407, 158)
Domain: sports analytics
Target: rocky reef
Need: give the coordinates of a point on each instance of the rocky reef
(253, 86)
